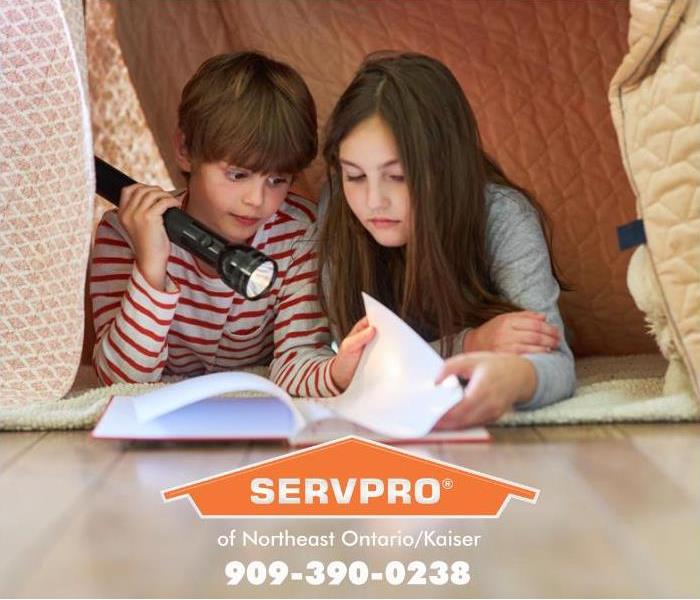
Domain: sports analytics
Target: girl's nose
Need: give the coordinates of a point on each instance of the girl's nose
(375, 197)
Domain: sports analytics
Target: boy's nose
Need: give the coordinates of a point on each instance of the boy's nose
(255, 195)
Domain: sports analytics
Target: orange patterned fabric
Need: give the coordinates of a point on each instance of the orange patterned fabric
(536, 74)
(46, 184)
(120, 132)
(121, 135)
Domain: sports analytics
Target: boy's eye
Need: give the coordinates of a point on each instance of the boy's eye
(276, 180)
(236, 175)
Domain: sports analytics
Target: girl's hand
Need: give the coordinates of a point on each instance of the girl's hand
(496, 383)
(523, 332)
(141, 209)
(349, 354)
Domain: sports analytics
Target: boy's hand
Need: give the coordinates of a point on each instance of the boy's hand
(516, 333)
(496, 383)
(141, 209)
(349, 354)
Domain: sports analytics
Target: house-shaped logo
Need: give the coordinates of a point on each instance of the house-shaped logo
(351, 477)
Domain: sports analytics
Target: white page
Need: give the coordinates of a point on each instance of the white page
(393, 391)
(211, 418)
(313, 411)
(170, 398)
(324, 424)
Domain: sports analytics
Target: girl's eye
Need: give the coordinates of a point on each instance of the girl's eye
(397, 178)
(236, 175)
(352, 178)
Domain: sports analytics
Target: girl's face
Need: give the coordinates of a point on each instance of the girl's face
(374, 183)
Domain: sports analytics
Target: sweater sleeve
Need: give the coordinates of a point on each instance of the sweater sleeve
(303, 356)
(131, 318)
(522, 272)
(458, 344)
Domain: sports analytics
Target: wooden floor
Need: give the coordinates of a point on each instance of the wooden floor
(618, 515)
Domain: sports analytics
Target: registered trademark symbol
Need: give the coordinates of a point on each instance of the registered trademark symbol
(447, 483)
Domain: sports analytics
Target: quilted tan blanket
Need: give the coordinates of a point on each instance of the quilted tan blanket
(654, 98)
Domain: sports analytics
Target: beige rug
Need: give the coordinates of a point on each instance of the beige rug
(610, 389)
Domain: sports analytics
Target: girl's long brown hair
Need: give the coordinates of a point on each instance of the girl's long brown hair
(440, 281)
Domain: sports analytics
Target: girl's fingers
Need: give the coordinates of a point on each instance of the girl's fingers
(536, 326)
(529, 314)
(525, 315)
(476, 408)
(538, 339)
(461, 415)
(529, 349)
(462, 365)
(453, 417)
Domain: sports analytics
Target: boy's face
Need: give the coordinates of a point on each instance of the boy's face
(234, 201)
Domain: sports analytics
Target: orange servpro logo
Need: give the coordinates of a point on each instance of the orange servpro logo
(351, 477)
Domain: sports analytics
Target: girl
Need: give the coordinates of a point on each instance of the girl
(423, 220)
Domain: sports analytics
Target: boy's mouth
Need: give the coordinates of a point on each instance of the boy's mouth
(246, 221)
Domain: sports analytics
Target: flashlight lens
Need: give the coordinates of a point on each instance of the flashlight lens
(247, 270)
(260, 279)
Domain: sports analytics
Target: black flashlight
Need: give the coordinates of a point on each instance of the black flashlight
(246, 270)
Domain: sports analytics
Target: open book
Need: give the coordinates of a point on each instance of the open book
(392, 398)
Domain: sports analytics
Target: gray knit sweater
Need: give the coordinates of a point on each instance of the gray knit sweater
(521, 270)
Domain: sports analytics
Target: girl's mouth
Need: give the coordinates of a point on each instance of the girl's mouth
(381, 223)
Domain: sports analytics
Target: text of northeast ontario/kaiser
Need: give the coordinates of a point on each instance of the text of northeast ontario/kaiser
(350, 538)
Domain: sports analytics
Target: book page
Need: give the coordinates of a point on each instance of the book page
(393, 392)
(227, 418)
(173, 397)
(324, 424)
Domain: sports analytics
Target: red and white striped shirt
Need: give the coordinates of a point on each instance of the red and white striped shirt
(200, 325)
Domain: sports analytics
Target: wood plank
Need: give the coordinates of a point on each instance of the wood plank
(14, 444)
(579, 539)
(673, 448)
(127, 540)
(546, 549)
(652, 515)
(514, 435)
(39, 491)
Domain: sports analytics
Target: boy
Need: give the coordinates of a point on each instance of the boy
(246, 126)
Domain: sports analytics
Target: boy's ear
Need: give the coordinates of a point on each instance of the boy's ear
(182, 155)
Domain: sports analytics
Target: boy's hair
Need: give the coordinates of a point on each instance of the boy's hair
(251, 111)
(440, 281)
